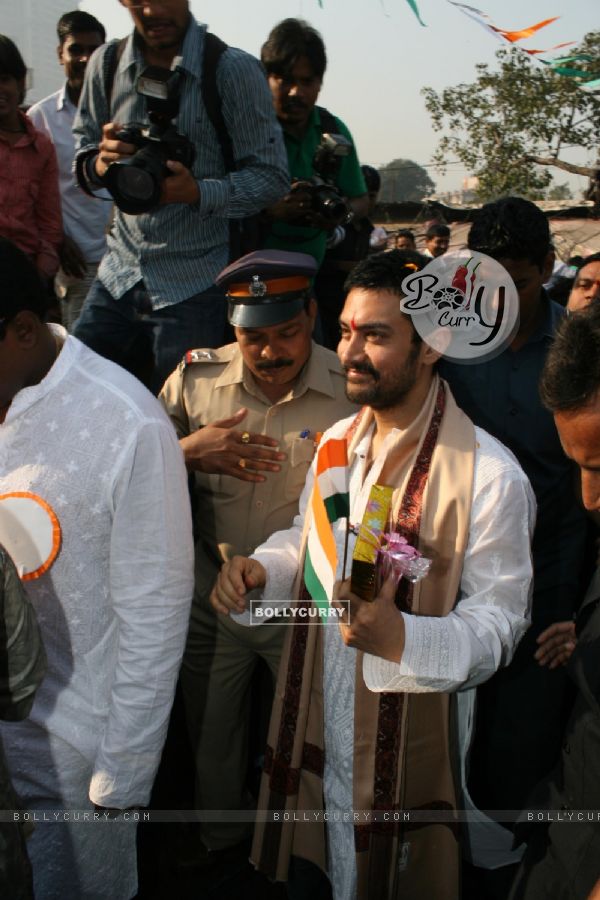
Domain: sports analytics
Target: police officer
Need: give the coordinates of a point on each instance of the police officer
(249, 416)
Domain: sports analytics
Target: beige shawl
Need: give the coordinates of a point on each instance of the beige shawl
(403, 745)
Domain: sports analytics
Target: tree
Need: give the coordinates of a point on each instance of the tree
(403, 179)
(560, 192)
(497, 124)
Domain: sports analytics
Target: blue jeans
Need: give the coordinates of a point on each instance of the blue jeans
(150, 343)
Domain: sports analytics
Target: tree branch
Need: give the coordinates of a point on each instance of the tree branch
(561, 164)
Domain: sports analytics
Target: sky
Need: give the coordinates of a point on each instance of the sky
(379, 58)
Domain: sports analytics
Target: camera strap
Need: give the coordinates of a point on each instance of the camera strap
(327, 121)
(111, 60)
(245, 234)
(214, 48)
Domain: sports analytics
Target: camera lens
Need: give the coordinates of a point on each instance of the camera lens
(332, 209)
(134, 184)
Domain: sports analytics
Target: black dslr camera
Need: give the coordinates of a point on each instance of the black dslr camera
(325, 198)
(135, 183)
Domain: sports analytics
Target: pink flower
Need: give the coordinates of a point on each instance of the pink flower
(395, 543)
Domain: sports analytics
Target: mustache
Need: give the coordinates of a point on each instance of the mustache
(267, 364)
(364, 368)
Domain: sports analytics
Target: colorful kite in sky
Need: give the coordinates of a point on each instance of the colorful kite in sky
(561, 66)
(587, 79)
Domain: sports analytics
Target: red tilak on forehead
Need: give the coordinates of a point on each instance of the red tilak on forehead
(352, 324)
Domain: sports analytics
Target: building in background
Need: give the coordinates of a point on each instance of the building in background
(31, 24)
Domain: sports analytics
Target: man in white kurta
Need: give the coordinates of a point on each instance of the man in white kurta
(97, 448)
(392, 374)
(453, 653)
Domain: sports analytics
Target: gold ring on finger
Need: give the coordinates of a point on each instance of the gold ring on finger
(245, 438)
(242, 462)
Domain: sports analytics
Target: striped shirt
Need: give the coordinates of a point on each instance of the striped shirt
(178, 249)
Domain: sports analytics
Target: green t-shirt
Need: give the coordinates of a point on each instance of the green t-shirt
(349, 180)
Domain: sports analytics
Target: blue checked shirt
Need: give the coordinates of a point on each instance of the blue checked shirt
(178, 249)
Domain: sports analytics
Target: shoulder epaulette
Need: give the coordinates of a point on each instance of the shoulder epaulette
(197, 356)
(217, 355)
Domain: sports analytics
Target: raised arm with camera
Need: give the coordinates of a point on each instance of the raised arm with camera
(146, 131)
(328, 189)
(152, 156)
(156, 102)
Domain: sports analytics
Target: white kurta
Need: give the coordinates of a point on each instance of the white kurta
(452, 653)
(93, 443)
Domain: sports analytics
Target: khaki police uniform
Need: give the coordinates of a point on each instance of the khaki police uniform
(233, 517)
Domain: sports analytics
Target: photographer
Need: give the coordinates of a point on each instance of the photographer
(295, 60)
(160, 266)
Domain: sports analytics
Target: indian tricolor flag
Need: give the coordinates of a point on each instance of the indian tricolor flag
(329, 502)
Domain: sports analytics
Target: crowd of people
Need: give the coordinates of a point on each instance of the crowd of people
(201, 336)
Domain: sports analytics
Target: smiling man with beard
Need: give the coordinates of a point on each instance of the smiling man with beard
(364, 715)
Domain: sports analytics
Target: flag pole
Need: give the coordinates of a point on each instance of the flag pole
(346, 548)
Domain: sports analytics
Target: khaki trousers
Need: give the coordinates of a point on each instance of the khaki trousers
(216, 674)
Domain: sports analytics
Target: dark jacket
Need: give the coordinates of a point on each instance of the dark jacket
(566, 860)
(22, 667)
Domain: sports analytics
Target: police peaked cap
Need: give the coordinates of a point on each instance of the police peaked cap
(267, 287)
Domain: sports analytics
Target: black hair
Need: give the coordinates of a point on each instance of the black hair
(372, 178)
(77, 22)
(385, 272)
(571, 376)
(511, 228)
(287, 42)
(594, 257)
(11, 61)
(407, 233)
(437, 229)
(21, 287)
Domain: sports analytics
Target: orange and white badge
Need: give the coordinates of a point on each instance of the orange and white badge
(30, 532)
